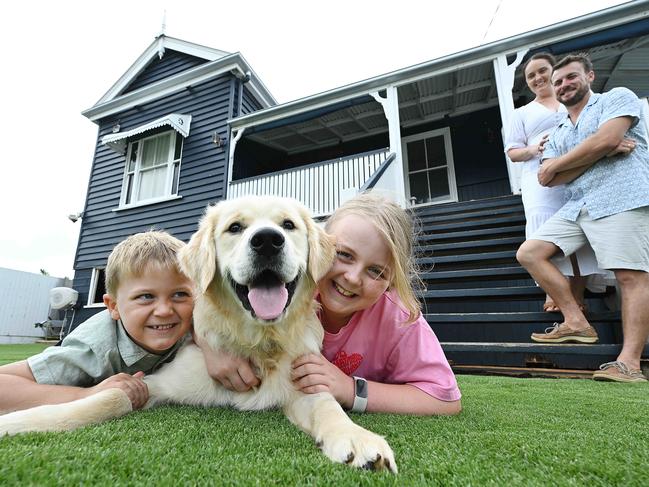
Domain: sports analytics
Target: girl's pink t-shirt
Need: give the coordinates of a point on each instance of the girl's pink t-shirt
(376, 345)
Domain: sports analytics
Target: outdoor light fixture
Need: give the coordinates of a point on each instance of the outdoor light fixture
(116, 127)
(217, 140)
(73, 217)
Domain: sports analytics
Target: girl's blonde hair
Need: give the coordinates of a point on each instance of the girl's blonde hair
(398, 230)
(132, 256)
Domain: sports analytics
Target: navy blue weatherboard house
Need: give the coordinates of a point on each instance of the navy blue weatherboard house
(188, 125)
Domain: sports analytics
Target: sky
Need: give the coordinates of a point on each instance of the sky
(60, 57)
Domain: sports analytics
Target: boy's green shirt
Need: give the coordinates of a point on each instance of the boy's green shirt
(94, 351)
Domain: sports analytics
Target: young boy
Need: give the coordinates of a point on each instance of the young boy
(149, 316)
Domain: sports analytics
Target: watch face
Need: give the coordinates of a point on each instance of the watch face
(361, 387)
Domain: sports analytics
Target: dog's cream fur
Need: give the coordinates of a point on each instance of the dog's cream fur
(219, 253)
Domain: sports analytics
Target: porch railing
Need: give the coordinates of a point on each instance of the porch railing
(322, 186)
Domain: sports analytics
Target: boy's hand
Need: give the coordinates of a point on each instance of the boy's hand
(233, 372)
(133, 385)
(314, 373)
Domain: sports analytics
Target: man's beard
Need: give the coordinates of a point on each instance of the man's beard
(577, 97)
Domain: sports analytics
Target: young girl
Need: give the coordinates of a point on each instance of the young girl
(379, 353)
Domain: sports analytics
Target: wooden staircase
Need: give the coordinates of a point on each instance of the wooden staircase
(483, 305)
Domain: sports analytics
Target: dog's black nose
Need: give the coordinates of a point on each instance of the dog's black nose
(267, 242)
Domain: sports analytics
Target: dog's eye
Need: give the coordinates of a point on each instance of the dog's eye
(288, 225)
(236, 227)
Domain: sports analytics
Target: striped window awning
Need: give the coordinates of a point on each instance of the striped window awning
(119, 140)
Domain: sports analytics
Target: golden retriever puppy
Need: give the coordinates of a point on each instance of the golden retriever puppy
(255, 262)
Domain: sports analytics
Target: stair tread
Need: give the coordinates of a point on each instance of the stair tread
(483, 222)
(580, 348)
(425, 219)
(513, 316)
(500, 254)
(471, 233)
(540, 372)
(468, 205)
(471, 243)
(491, 271)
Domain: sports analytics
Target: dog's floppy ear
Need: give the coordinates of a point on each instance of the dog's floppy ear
(322, 248)
(198, 257)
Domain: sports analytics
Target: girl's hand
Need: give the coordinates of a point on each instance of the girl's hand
(133, 385)
(233, 372)
(314, 373)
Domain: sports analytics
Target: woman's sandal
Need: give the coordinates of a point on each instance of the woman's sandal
(549, 306)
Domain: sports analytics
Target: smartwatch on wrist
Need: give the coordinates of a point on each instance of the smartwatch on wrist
(360, 395)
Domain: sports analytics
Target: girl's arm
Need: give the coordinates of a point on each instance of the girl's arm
(314, 373)
(26, 393)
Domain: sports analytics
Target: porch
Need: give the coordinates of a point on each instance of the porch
(443, 121)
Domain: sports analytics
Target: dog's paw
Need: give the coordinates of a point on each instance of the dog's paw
(359, 448)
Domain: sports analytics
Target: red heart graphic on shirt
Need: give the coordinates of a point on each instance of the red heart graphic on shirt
(347, 363)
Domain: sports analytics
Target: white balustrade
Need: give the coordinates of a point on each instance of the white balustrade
(322, 187)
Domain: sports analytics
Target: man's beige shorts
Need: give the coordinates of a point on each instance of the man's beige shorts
(620, 241)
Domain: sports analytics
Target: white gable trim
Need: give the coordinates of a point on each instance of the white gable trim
(118, 141)
(232, 63)
(157, 48)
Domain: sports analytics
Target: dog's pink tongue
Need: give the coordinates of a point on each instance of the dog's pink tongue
(268, 303)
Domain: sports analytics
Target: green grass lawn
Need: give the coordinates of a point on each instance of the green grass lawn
(542, 432)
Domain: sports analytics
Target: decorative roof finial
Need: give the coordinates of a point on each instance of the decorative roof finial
(164, 23)
(160, 37)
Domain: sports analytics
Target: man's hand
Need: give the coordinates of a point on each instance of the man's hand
(314, 373)
(624, 148)
(546, 172)
(133, 385)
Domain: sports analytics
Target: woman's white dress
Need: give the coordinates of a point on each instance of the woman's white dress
(529, 125)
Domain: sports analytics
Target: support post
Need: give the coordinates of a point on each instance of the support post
(504, 74)
(234, 138)
(393, 180)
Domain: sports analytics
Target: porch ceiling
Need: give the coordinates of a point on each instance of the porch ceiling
(467, 89)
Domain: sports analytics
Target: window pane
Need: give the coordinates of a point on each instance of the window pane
(155, 151)
(179, 146)
(419, 187)
(152, 183)
(435, 152)
(133, 158)
(416, 155)
(162, 149)
(438, 184)
(148, 153)
(174, 181)
(129, 188)
(100, 287)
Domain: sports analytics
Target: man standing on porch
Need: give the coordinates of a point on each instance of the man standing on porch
(607, 206)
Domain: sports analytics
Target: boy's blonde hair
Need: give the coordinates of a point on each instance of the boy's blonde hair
(132, 256)
(398, 230)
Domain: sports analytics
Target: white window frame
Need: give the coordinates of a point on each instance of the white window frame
(92, 289)
(169, 191)
(450, 165)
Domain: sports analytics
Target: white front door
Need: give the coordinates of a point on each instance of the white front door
(428, 164)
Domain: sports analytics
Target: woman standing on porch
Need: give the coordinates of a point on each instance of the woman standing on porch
(526, 137)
